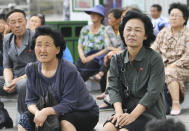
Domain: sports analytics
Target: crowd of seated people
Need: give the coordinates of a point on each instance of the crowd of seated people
(134, 58)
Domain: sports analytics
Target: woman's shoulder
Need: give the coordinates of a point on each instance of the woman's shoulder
(31, 68)
(152, 54)
(108, 29)
(67, 66)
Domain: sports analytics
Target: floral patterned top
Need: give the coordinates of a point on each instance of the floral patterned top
(112, 39)
(174, 48)
(91, 41)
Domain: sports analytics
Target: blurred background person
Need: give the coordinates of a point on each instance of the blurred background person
(36, 21)
(173, 44)
(4, 29)
(91, 45)
(157, 21)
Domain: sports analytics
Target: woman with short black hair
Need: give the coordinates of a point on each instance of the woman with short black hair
(136, 78)
(76, 109)
(173, 44)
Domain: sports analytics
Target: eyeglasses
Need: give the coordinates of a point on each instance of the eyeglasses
(175, 15)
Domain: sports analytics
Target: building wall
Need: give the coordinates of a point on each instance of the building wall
(80, 16)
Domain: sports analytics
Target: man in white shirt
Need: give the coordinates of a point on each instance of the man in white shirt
(157, 21)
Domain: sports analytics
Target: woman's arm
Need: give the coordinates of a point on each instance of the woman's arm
(33, 108)
(41, 115)
(128, 118)
(91, 57)
(81, 53)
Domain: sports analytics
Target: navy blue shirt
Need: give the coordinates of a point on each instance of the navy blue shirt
(66, 86)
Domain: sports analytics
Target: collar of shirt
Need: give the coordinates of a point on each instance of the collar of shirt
(139, 56)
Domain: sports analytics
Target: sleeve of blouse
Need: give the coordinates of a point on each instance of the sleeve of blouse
(106, 39)
(31, 95)
(159, 39)
(113, 82)
(81, 36)
(184, 60)
(7, 63)
(70, 95)
(155, 83)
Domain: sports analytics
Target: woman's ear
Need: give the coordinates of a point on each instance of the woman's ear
(145, 37)
(57, 50)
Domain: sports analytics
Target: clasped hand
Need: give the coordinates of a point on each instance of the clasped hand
(10, 86)
(122, 119)
(39, 118)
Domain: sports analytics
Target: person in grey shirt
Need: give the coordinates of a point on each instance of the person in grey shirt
(16, 54)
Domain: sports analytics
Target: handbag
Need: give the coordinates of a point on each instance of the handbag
(5, 120)
(123, 84)
(52, 122)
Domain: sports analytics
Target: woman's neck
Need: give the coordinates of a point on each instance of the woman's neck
(95, 27)
(133, 52)
(176, 29)
(49, 69)
(116, 29)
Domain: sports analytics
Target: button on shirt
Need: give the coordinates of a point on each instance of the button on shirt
(17, 58)
(145, 77)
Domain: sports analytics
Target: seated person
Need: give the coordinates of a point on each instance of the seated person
(91, 44)
(136, 77)
(61, 78)
(17, 53)
(173, 44)
(4, 29)
(36, 21)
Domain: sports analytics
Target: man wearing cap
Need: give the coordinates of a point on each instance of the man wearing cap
(91, 44)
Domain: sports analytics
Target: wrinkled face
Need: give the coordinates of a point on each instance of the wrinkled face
(17, 23)
(176, 18)
(134, 33)
(45, 49)
(2, 25)
(155, 13)
(112, 20)
(95, 17)
(35, 22)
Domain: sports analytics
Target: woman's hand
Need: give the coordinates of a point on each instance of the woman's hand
(126, 119)
(39, 118)
(115, 118)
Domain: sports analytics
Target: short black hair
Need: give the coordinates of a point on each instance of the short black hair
(116, 12)
(41, 17)
(183, 8)
(16, 10)
(147, 26)
(159, 8)
(3, 17)
(55, 35)
(165, 125)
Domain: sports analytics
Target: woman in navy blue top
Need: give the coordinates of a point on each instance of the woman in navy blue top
(76, 108)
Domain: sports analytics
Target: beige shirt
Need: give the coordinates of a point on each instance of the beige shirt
(174, 49)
